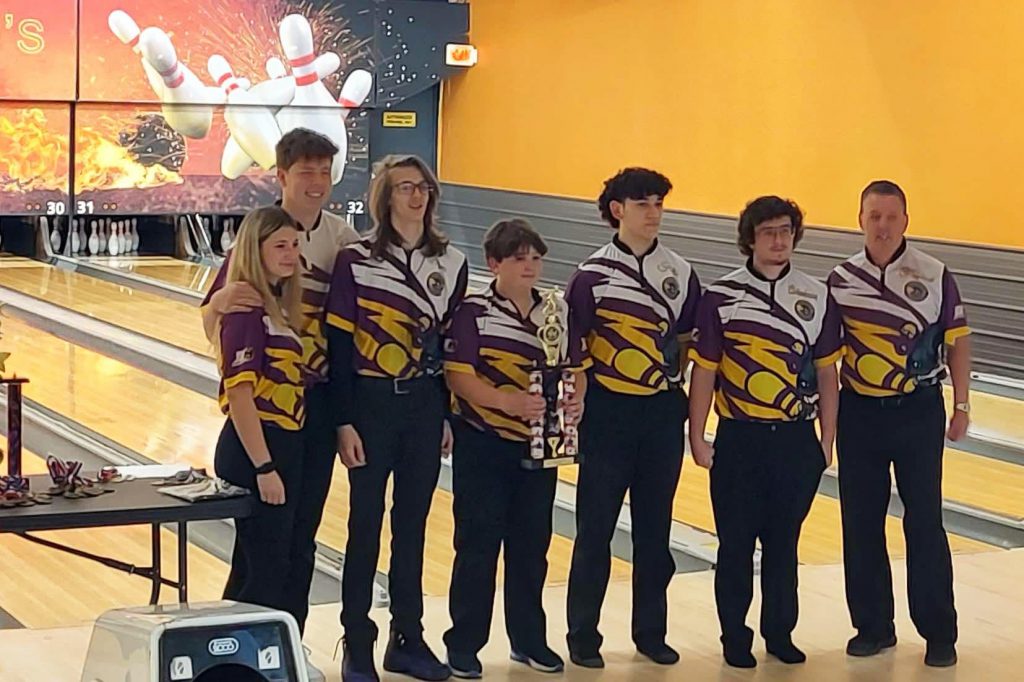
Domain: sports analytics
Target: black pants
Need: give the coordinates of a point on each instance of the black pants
(497, 502)
(402, 436)
(763, 480)
(632, 443)
(319, 452)
(264, 554)
(907, 433)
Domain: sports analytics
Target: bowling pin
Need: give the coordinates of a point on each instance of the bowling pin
(94, 240)
(355, 90)
(252, 126)
(313, 107)
(113, 243)
(76, 239)
(127, 31)
(135, 235)
(182, 87)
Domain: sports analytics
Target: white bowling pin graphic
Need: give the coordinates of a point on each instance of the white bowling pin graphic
(181, 87)
(94, 240)
(355, 90)
(313, 107)
(252, 126)
(225, 236)
(326, 64)
(127, 31)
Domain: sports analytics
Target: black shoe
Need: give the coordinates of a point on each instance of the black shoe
(465, 666)
(868, 645)
(940, 655)
(357, 663)
(739, 657)
(411, 656)
(586, 659)
(786, 651)
(660, 653)
(542, 660)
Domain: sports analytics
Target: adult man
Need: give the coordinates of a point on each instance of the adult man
(903, 319)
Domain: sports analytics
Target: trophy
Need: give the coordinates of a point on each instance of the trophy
(14, 401)
(554, 437)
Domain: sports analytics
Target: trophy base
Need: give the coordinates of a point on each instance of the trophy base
(548, 462)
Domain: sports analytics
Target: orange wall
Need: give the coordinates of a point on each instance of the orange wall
(734, 98)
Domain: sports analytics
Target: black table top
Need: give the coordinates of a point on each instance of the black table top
(132, 502)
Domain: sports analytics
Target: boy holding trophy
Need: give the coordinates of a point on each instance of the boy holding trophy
(515, 366)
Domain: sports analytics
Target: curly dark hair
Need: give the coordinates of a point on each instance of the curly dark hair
(762, 209)
(631, 183)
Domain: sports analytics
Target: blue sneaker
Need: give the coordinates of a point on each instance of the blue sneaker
(357, 663)
(412, 657)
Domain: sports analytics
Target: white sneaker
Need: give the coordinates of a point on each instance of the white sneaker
(312, 672)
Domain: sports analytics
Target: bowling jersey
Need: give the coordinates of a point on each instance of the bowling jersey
(255, 350)
(634, 311)
(397, 308)
(491, 339)
(765, 340)
(318, 247)
(898, 320)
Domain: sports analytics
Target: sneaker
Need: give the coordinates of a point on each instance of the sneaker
(412, 657)
(586, 659)
(542, 660)
(868, 645)
(739, 657)
(465, 666)
(660, 653)
(312, 672)
(786, 651)
(357, 663)
(940, 655)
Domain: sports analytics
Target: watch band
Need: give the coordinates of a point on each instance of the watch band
(266, 468)
(963, 407)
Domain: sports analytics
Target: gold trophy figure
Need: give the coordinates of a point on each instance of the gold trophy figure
(553, 438)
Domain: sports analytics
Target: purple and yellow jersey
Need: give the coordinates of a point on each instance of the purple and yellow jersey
(397, 308)
(765, 341)
(257, 351)
(492, 340)
(898, 321)
(634, 311)
(318, 248)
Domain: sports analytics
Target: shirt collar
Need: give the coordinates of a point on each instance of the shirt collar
(621, 246)
(757, 275)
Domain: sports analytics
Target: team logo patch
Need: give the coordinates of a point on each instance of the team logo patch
(242, 357)
(804, 309)
(449, 345)
(908, 330)
(665, 266)
(915, 291)
(670, 286)
(798, 347)
(435, 284)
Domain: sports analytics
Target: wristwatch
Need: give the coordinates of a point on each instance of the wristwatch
(266, 468)
(963, 407)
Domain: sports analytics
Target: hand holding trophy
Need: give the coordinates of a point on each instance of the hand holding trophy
(554, 437)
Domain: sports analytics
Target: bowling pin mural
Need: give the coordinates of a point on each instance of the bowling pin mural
(181, 87)
(127, 31)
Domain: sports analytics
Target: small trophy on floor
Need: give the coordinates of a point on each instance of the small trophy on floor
(553, 438)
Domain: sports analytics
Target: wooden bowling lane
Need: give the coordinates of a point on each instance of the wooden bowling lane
(173, 425)
(194, 276)
(171, 321)
(993, 416)
(984, 483)
(45, 588)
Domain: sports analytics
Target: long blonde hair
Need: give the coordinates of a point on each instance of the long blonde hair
(247, 266)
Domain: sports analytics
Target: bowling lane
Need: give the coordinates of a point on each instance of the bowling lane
(171, 321)
(162, 269)
(45, 588)
(170, 424)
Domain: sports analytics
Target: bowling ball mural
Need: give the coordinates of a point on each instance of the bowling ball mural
(183, 102)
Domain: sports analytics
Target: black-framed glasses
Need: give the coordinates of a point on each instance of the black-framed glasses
(407, 188)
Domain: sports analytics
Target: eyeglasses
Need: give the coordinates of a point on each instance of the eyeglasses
(773, 232)
(407, 188)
